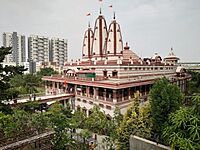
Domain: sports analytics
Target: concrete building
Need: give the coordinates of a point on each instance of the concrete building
(109, 73)
(38, 48)
(43, 50)
(58, 51)
(17, 42)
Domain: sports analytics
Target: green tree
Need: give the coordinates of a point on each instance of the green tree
(194, 83)
(29, 107)
(15, 124)
(79, 120)
(85, 134)
(183, 131)
(136, 121)
(97, 121)
(40, 122)
(61, 124)
(165, 98)
(48, 71)
(7, 125)
(110, 141)
(31, 82)
(6, 73)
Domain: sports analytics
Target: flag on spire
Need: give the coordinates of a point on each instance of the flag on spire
(88, 14)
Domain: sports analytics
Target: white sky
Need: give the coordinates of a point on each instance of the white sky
(148, 26)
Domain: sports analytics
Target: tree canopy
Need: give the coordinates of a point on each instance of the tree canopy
(7, 92)
(136, 121)
(194, 83)
(48, 71)
(165, 98)
(183, 131)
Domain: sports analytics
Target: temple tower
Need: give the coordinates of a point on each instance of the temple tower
(114, 42)
(87, 43)
(100, 37)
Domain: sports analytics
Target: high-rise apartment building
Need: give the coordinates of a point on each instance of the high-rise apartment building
(58, 51)
(17, 42)
(43, 49)
(38, 48)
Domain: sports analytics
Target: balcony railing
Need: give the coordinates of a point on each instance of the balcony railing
(74, 78)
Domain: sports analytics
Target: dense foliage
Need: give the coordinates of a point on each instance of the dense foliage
(183, 131)
(136, 121)
(46, 72)
(194, 84)
(30, 83)
(6, 73)
(165, 98)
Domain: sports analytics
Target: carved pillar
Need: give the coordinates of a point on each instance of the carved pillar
(81, 90)
(115, 96)
(53, 85)
(53, 88)
(75, 89)
(87, 91)
(129, 93)
(96, 92)
(104, 94)
(58, 88)
(122, 94)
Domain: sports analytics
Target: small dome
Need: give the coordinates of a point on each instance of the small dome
(171, 55)
(128, 54)
(156, 57)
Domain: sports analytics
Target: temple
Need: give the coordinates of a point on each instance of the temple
(109, 72)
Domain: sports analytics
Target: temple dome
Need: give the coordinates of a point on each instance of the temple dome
(128, 54)
(171, 55)
(156, 57)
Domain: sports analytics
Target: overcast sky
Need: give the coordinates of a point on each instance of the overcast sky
(148, 26)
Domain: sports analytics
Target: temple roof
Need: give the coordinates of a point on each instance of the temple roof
(171, 55)
(128, 54)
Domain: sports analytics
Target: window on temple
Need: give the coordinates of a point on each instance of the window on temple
(105, 73)
(114, 73)
(108, 107)
(101, 105)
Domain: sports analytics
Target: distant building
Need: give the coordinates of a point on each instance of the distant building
(38, 48)
(58, 51)
(43, 50)
(17, 42)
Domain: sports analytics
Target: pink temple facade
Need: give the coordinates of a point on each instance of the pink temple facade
(109, 73)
